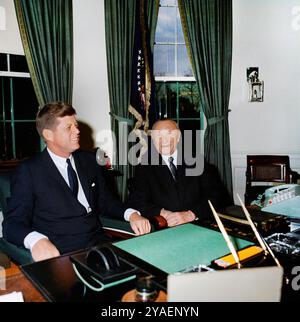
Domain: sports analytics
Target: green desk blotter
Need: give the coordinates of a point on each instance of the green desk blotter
(175, 249)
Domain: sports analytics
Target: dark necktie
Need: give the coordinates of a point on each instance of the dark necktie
(73, 181)
(173, 168)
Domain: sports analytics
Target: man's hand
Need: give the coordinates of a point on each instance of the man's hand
(178, 217)
(139, 224)
(43, 249)
(165, 213)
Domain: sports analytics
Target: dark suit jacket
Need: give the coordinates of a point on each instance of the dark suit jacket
(154, 188)
(42, 201)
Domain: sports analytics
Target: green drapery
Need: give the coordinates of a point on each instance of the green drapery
(207, 26)
(152, 15)
(46, 29)
(119, 31)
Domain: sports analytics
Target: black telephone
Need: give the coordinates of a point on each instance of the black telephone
(103, 265)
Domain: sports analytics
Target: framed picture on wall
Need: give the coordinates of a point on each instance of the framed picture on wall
(256, 91)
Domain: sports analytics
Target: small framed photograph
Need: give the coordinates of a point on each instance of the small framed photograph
(256, 91)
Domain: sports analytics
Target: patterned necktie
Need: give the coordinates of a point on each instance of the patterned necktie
(173, 168)
(73, 181)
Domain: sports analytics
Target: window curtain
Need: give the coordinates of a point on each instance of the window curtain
(152, 15)
(46, 29)
(152, 8)
(207, 26)
(119, 31)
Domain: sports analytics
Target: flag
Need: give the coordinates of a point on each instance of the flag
(142, 81)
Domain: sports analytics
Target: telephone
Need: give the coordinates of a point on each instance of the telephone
(283, 199)
(101, 267)
(281, 193)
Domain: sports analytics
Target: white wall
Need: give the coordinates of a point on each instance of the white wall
(10, 40)
(266, 35)
(90, 92)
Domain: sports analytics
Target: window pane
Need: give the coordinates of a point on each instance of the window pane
(25, 102)
(3, 62)
(188, 100)
(180, 36)
(171, 100)
(5, 141)
(183, 63)
(18, 63)
(166, 22)
(183, 96)
(189, 125)
(5, 97)
(168, 2)
(160, 97)
(164, 58)
(27, 139)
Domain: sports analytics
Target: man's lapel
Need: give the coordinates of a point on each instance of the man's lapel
(54, 173)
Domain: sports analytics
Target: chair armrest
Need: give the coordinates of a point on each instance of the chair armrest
(18, 255)
(294, 176)
(159, 222)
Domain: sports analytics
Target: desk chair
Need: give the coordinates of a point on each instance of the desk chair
(18, 255)
(264, 171)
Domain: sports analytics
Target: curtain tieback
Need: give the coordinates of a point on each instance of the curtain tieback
(122, 119)
(217, 119)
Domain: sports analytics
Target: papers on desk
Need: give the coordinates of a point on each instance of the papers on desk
(119, 230)
(12, 297)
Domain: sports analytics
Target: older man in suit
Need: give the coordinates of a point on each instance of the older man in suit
(167, 189)
(57, 196)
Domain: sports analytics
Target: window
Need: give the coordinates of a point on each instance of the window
(177, 94)
(18, 106)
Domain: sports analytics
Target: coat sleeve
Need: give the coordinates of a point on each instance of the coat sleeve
(17, 218)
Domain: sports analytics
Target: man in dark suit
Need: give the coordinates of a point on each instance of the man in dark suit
(167, 189)
(57, 196)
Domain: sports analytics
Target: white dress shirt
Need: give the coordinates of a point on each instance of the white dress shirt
(61, 163)
(166, 159)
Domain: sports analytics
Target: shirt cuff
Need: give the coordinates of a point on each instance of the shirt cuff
(32, 238)
(128, 212)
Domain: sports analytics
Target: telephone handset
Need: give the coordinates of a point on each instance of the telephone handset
(102, 259)
(101, 266)
(277, 194)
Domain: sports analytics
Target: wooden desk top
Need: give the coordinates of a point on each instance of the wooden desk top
(16, 281)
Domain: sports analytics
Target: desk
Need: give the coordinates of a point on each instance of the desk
(62, 283)
(15, 280)
(58, 282)
(155, 254)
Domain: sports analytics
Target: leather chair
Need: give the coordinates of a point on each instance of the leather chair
(18, 255)
(265, 170)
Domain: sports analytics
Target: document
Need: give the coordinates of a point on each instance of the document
(12, 297)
